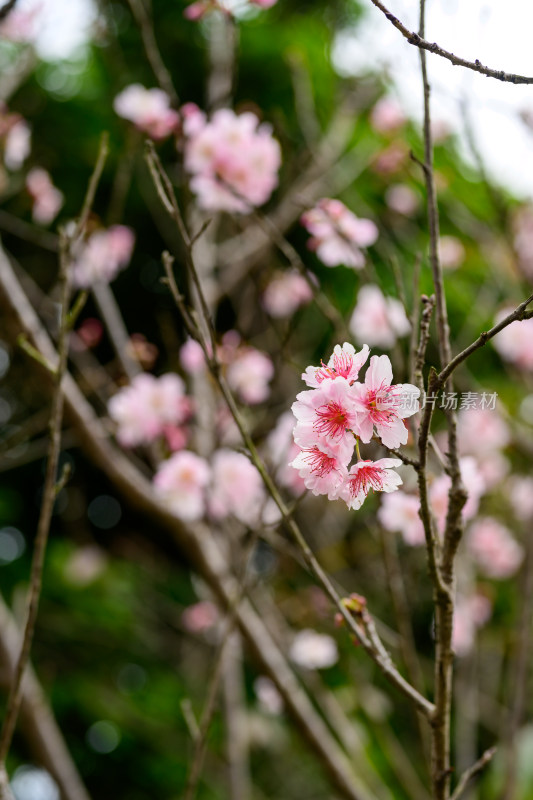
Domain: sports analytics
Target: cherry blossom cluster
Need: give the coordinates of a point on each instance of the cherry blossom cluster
(148, 109)
(232, 158)
(102, 256)
(286, 292)
(227, 486)
(513, 343)
(148, 408)
(337, 412)
(337, 235)
(248, 370)
(47, 199)
(200, 8)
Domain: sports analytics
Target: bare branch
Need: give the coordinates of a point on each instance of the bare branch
(432, 47)
(472, 772)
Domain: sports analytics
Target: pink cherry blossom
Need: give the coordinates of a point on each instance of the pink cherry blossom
(192, 357)
(470, 614)
(384, 406)
(321, 469)
(452, 252)
(387, 116)
(233, 160)
(17, 141)
(337, 234)
(285, 293)
(312, 650)
(345, 362)
(143, 409)
(102, 257)
(21, 25)
(400, 512)
(47, 199)
(402, 199)
(523, 239)
(148, 109)
(513, 343)
(378, 320)
(236, 488)
(369, 475)
(481, 430)
(521, 497)
(269, 699)
(327, 416)
(181, 482)
(498, 554)
(474, 483)
(282, 449)
(264, 3)
(249, 374)
(200, 617)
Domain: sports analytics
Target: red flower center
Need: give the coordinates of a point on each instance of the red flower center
(320, 463)
(365, 479)
(331, 420)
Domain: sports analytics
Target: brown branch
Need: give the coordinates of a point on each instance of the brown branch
(4, 11)
(417, 39)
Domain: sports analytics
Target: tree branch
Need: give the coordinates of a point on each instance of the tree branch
(417, 40)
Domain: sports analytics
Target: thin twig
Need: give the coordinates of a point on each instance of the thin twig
(472, 772)
(418, 40)
(145, 24)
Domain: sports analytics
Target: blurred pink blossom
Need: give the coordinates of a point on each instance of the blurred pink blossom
(47, 199)
(181, 481)
(452, 252)
(378, 320)
(390, 160)
(236, 488)
(268, 696)
(148, 109)
(402, 199)
(521, 497)
(337, 235)
(103, 255)
(143, 409)
(481, 430)
(200, 616)
(498, 554)
(21, 25)
(387, 116)
(470, 614)
(472, 480)
(285, 293)
(312, 650)
(281, 449)
(249, 374)
(233, 160)
(400, 512)
(513, 343)
(192, 357)
(17, 139)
